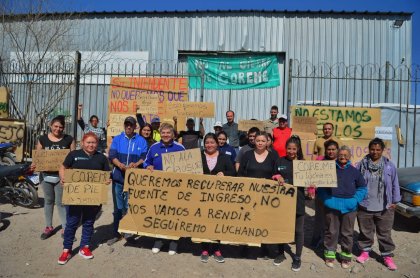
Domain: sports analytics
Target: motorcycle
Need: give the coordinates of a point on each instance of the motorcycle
(7, 155)
(18, 186)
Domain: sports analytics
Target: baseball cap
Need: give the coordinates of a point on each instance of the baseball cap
(283, 116)
(218, 124)
(130, 120)
(156, 120)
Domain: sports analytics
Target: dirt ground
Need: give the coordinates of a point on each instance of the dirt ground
(24, 254)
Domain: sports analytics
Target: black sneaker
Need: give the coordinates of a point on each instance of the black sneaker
(204, 257)
(296, 264)
(279, 259)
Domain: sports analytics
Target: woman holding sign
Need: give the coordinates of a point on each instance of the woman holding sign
(216, 163)
(53, 191)
(90, 159)
(259, 163)
(285, 169)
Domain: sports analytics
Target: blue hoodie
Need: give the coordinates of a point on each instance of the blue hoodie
(350, 191)
(126, 150)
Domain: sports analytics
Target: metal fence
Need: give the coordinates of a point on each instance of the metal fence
(44, 90)
(394, 89)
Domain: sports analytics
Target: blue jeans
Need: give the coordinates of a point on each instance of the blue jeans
(74, 214)
(120, 199)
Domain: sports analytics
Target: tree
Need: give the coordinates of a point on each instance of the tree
(38, 49)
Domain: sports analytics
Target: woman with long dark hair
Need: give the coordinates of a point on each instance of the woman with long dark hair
(53, 190)
(285, 169)
(217, 163)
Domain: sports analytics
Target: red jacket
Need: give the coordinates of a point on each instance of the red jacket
(280, 137)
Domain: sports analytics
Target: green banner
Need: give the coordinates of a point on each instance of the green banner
(233, 73)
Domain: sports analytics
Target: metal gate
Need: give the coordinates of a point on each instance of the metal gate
(394, 89)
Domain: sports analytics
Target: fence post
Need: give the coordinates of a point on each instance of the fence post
(202, 84)
(289, 85)
(387, 65)
(76, 92)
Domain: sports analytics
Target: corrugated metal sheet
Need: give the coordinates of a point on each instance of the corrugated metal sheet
(317, 37)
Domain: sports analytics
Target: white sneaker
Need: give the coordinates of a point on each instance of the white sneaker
(173, 246)
(157, 246)
(171, 252)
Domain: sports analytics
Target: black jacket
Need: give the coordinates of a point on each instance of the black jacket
(223, 164)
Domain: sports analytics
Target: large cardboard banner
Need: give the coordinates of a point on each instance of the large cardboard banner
(4, 102)
(13, 131)
(190, 109)
(49, 160)
(319, 173)
(188, 161)
(349, 122)
(246, 125)
(85, 187)
(128, 93)
(305, 128)
(229, 209)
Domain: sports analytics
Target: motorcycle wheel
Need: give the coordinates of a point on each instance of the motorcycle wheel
(28, 195)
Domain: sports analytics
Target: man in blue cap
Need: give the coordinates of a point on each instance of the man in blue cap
(128, 150)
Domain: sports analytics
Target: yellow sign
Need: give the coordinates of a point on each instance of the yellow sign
(349, 122)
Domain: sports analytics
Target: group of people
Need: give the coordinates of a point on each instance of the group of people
(367, 192)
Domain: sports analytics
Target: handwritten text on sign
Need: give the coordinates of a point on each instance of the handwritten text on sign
(188, 161)
(148, 104)
(85, 187)
(49, 160)
(319, 173)
(116, 123)
(240, 210)
(245, 125)
(190, 109)
(13, 131)
(351, 122)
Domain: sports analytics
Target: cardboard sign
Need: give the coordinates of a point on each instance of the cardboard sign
(305, 124)
(188, 161)
(384, 132)
(116, 123)
(148, 104)
(49, 160)
(85, 187)
(126, 93)
(359, 149)
(190, 109)
(13, 131)
(349, 122)
(4, 102)
(230, 209)
(319, 173)
(246, 125)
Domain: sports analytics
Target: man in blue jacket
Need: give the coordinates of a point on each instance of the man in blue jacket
(128, 150)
